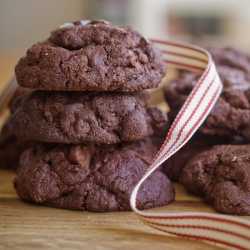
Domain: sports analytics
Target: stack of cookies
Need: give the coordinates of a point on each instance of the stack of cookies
(220, 173)
(89, 108)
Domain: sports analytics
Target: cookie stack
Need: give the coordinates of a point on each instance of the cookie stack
(90, 108)
(220, 173)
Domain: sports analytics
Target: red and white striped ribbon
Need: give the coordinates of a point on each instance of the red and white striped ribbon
(227, 230)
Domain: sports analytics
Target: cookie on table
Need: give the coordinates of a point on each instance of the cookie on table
(92, 178)
(11, 147)
(231, 113)
(173, 166)
(222, 175)
(77, 117)
(92, 55)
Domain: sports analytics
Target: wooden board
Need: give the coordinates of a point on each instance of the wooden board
(29, 226)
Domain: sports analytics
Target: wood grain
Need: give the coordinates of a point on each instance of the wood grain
(29, 226)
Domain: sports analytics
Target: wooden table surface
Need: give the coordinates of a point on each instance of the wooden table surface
(29, 226)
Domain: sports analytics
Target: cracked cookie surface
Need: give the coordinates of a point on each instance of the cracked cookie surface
(77, 117)
(93, 178)
(222, 175)
(92, 56)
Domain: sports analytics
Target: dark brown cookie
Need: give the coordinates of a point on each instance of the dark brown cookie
(77, 117)
(234, 81)
(11, 147)
(92, 56)
(222, 175)
(92, 178)
(231, 57)
(197, 144)
(231, 113)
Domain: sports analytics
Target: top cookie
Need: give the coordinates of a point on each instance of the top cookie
(91, 56)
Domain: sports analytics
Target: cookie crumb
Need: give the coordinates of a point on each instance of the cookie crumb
(235, 158)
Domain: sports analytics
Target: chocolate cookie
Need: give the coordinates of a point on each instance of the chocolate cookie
(234, 81)
(77, 117)
(93, 178)
(197, 144)
(231, 113)
(222, 175)
(11, 147)
(231, 57)
(92, 55)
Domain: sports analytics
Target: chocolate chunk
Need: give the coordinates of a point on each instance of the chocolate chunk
(79, 155)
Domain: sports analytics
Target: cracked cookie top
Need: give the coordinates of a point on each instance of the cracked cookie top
(93, 178)
(92, 55)
(77, 117)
